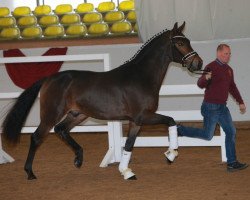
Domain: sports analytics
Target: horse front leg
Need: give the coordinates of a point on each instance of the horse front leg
(153, 119)
(172, 151)
(126, 155)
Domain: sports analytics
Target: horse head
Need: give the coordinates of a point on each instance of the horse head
(182, 51)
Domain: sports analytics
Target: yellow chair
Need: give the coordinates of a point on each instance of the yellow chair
(76, 30)
(84, 8)
(126, 6)
(113, 16)
(26, 21)
(135, 28)
(4, 11)
(63, 9)
(68, 19)
(21, 11)
(105, 6)
(92, 17)
(42, 10)
(7, 22)
(131, 16)
(55, 31)
(10, 33)
(98, 29)
(121, 28)
(31, 32)
(48, 20)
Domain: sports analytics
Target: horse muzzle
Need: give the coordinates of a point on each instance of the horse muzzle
(194, 64)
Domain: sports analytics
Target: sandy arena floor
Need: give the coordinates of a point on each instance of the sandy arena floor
(197, 174)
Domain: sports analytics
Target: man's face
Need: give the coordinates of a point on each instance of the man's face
(224, 54)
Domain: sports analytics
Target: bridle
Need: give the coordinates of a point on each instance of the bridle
(188, 56)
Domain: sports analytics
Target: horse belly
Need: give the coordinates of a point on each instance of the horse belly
(106, 106)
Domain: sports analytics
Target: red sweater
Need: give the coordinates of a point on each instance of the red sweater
(221, 84)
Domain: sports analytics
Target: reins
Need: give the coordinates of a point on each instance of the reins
(201, 71)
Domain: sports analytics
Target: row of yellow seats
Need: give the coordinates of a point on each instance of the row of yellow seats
(67, 8)
(77, 30)
(66, 19)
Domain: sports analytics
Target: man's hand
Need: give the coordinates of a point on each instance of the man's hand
(208, 75)
(242, 108)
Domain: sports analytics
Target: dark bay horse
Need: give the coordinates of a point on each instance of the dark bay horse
(129, 92)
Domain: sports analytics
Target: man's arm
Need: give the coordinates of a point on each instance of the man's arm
(233, 90)
(205, 79)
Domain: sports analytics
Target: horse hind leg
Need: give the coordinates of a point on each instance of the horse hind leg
(72, 119)
(36, 140)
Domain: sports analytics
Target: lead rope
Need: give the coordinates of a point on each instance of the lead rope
(201, 71)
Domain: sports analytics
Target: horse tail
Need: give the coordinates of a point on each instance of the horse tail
(17, 115)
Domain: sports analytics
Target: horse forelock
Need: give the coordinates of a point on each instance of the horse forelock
(147, 45)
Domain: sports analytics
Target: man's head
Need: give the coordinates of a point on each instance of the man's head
(223, 53)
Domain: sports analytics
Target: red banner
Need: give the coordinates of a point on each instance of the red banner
(25, 74)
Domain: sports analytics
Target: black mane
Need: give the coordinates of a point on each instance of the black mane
(145, 47)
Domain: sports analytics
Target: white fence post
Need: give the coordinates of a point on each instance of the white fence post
(114, 134)
(115, 144)
(223, 145)
(4, 157)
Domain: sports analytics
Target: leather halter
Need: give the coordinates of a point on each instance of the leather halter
(188, 55)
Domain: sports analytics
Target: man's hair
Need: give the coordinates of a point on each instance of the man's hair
(221, 47)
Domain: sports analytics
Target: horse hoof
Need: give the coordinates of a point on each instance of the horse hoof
(30, 174)
(31, 177)
(78, 163)
(128, 174)
(78, 158)
(171, 155)
(132, 178)
(169, 161)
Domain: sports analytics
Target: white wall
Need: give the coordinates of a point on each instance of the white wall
(175, 75)
(205, 20)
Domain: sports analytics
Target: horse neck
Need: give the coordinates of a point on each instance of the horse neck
(155, 63)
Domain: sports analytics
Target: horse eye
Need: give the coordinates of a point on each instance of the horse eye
(180, 44)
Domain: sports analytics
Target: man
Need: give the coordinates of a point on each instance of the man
(218, 83)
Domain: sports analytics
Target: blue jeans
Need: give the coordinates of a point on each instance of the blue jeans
(213, 114)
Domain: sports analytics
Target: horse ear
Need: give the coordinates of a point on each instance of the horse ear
(175, 26)
(180, 29)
